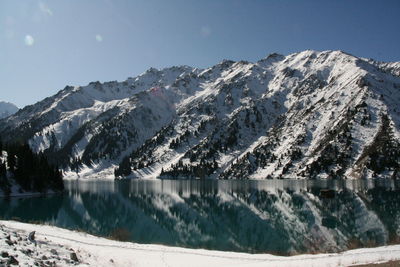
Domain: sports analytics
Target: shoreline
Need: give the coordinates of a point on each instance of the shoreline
(96, 251)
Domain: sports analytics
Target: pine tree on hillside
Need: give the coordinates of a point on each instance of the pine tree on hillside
(32, 171)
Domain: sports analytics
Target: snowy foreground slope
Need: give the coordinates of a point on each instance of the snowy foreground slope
(57, 245)
(306, 115)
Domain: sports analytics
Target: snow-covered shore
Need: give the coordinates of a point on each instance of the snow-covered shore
(57, 247)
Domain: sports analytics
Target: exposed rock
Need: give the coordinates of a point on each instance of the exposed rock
(31, 236)
(74, 257)
(12, 261)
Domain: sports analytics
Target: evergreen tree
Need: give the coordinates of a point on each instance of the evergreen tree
(124, 168)
(31, 171)
(11, 161)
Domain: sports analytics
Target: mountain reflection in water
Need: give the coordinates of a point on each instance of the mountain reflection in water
(275, 216)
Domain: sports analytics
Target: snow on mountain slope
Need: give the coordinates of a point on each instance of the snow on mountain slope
(7, 109)
(306, 115)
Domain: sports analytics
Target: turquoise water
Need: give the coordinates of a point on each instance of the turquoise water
(275, 216)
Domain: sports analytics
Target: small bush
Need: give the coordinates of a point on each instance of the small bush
(120, 234)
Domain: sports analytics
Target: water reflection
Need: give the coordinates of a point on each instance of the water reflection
(280, 216)
(212, 186)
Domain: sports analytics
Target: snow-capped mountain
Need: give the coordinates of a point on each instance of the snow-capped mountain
(306, 115)
(7, 109)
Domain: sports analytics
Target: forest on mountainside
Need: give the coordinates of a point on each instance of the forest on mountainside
(28, 171)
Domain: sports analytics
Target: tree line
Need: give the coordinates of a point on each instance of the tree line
(31, 171)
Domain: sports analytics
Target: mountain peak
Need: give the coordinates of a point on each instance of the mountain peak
(7, 109)
(306, 115)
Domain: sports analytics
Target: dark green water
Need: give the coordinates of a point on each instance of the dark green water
(283, 217)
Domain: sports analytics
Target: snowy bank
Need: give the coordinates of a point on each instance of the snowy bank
(56, 246)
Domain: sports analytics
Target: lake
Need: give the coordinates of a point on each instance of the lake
(274, 216)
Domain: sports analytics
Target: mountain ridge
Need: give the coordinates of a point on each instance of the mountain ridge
(306, 115)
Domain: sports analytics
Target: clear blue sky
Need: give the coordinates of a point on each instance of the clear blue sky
(46, 45)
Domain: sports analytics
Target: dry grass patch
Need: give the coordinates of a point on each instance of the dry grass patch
(120, 234)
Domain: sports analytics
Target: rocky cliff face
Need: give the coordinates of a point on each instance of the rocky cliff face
(306, 115)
